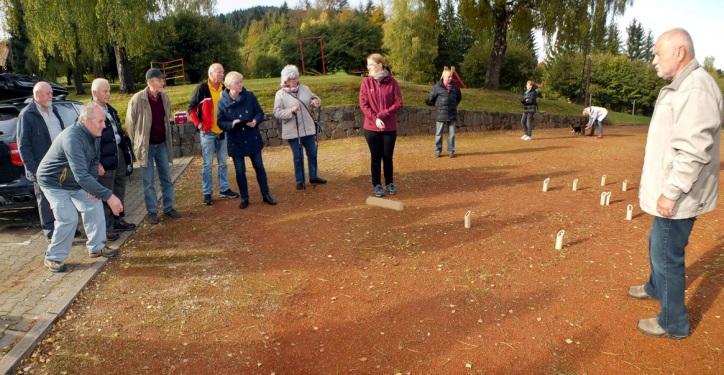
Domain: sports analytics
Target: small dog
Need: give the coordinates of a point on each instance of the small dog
(578, 129)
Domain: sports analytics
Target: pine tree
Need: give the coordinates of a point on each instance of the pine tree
(613, 40)
(412, 49)
(635, 41)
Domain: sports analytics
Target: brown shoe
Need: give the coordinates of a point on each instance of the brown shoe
(104, 252)
(54, 266)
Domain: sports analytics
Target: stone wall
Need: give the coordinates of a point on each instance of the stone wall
(346, 121)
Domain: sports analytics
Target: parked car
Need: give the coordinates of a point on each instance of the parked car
(16, 192)
(15, 86)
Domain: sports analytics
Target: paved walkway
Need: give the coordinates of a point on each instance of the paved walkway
(31, 297)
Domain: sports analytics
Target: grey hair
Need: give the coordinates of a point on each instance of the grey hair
(232, 77)
(41, 85)
(96, 84)
(289, 72)
(215, 66)
(86, 112)
(679, 37)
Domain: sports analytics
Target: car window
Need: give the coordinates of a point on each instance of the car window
(8, 121)
(68, 113)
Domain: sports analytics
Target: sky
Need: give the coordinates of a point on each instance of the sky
(704, 19)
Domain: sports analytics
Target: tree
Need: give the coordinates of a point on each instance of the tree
(635, 42)
(648, 50)
(412, 49)
(569, 20)
(613, 40)
(454, 40)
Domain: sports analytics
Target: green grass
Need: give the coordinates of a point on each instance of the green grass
(342, 89)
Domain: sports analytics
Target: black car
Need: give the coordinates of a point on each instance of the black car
(15, 86)
(16, 192)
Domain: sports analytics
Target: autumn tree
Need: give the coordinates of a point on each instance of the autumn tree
(412, 48)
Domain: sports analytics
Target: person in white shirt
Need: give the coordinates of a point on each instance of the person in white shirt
(596, 115)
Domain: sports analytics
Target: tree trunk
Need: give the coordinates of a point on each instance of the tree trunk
(78, 80)
(125, 78)
(500, 45)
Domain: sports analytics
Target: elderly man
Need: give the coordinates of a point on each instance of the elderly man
(149, 110)
(202, 110)
(68, 176)
(680, 177)
(115, 156)
(38, 125)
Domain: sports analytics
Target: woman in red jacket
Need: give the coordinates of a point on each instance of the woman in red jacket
(379, 100)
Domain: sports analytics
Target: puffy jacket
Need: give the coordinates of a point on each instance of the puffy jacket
(138, 124)
(681, 160)
(445, 101)
(33, 137)
(529, 100)
(283, 103)
(380, 100)
(202, 108)
(242, 140)
(109, 147)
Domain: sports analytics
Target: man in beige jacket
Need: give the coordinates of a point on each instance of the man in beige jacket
(147, 119)
(680, 177)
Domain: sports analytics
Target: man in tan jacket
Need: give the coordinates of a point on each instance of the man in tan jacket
(147, 117)
(680, 177)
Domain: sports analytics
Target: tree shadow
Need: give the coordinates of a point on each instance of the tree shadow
(710, 269)
(513, 151)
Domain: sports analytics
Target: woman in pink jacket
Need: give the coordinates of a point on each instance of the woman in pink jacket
(379, 100)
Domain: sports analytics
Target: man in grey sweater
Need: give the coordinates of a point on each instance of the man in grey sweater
(68, 176)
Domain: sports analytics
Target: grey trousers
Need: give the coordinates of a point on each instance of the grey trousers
(115, 180)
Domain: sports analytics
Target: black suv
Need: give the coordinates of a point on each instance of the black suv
(16, 86)
(16, 192)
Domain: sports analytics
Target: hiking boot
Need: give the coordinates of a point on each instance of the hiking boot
(391, 189)
(267, 198)
(379, 192)
(54, 266)
(104, 252)
(651, 327)
(207, 200)
(244, 203)
(123, 226)
(300, 186)
(151, 218)
(173, 214)
(112, 235)
(229, 194)
(317, 181)
(639, 292)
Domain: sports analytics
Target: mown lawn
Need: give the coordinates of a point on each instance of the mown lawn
(342, 89)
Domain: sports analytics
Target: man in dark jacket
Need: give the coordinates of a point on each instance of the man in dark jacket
(445, 96)
(530, 105)
(38, 125)
(202, 110)
(115, 156)
(68, 176)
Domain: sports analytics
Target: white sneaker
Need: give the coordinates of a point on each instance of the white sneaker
(528, 138)
(523, 137)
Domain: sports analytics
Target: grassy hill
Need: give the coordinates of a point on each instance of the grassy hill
(342, 89)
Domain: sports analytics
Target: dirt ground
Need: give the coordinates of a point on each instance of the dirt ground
(323, 284)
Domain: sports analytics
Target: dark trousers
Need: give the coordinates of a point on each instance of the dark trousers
(382, 147)
(47, 221)
(527, 122)
(240, 168)
(310, 146)
(115, 180)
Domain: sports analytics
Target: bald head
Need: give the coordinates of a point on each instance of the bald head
(43, 94)
(101, 91)
(673, 51)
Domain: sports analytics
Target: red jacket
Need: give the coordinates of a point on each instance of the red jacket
(380, 100)
(201, 107)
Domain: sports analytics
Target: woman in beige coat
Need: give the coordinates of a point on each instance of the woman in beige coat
(292, 106)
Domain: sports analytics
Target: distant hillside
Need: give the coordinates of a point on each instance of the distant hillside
(240, 19)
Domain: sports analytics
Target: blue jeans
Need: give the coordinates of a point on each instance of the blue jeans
(210, 144)
(439, 126)
(240, 168)
(157, 160)
(667, 241)
(309, 144)
(527, 122)
(66, 204)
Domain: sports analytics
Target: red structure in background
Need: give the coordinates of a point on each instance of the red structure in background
(321, 49)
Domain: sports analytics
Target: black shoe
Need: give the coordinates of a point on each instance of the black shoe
(112, 236)
(207, 200)
(151, 218)
(123, 226)
(317, 180)
(300, 186)
(244, 204)
(230, 194)
(173, 214)
(269, 200)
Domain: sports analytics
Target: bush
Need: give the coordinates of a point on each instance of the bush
(266, 66)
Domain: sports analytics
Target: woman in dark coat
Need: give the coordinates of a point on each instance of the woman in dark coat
(530, 104)
(445, 96)
(239, 114)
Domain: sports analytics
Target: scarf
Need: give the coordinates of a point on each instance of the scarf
(291, 90)
(382, 74)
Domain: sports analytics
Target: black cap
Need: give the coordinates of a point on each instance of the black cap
(154, 73)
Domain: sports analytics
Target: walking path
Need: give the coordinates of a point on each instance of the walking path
(32, 298)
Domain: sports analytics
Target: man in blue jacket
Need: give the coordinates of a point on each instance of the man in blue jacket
(68, 176)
